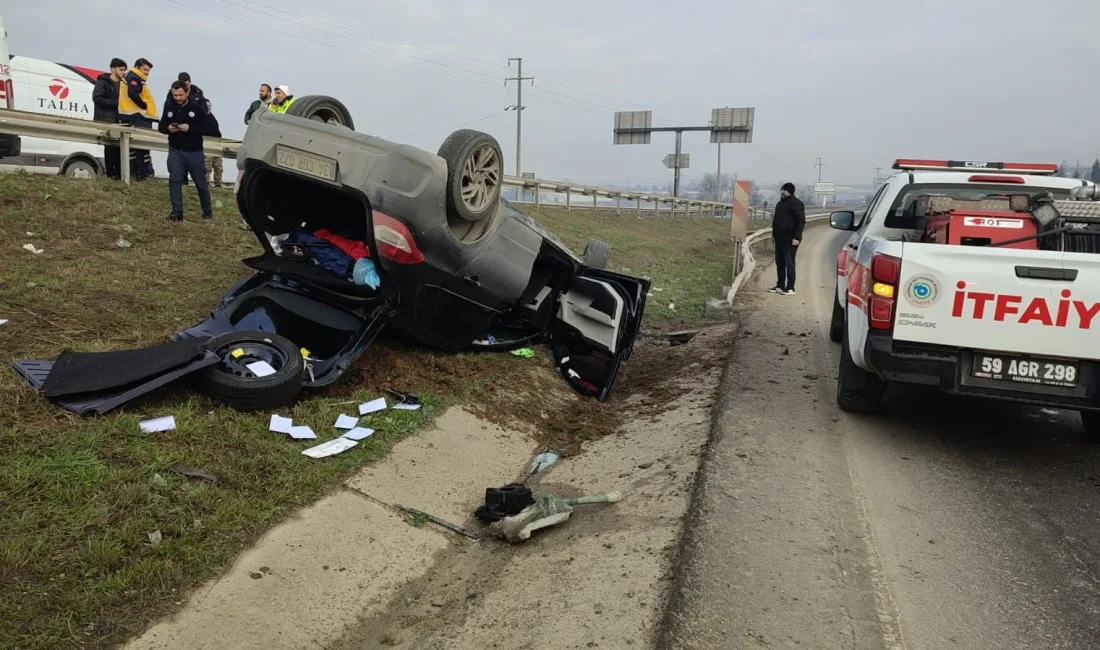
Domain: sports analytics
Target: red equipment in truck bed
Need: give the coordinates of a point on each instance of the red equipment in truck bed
(977, 228)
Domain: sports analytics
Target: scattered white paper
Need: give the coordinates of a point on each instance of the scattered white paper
(373, 406)
(301, 433)
(330, 448)
(279, 424)
(31, 248)
(406, 407)
(359, 433)
(3, 320)
(261, 368)
(346, 422)
(166, 423)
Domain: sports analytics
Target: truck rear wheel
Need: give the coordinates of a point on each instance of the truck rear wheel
(857, 391)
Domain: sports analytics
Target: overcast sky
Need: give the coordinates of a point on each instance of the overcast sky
(856, 82)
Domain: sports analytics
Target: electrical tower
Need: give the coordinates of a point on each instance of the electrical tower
(518, 108)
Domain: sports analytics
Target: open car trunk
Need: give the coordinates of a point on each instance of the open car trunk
(597, 322)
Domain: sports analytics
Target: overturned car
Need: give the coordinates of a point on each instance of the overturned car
(431, 251)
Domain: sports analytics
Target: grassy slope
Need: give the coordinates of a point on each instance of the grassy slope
(78, 497)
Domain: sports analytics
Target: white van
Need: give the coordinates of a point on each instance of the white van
(9, 144)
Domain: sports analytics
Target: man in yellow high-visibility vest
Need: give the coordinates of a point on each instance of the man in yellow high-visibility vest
(283, 100)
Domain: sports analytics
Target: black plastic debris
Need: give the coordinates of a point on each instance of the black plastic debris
(504, 502)
(402, 397)
(681, 337)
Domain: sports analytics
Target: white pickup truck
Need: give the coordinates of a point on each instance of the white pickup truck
(1007, 308)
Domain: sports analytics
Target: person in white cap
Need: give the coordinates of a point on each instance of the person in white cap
(283, 100)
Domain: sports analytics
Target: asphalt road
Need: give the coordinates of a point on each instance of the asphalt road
(939, 523)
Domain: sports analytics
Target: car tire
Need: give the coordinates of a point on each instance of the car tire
(475, 174)
(836, 324)
(597, 253)
(1091, 420)
(857, 391)
(231, 382)
(81, 169)
(322, 108)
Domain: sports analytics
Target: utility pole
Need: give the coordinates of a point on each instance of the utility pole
(519, 79)
(719, 199)
(819, 166)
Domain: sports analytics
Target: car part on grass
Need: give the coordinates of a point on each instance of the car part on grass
(475, 171)
(233, 382)
(75, 373)
(542, 461)
(504, 502)
(597, 253)
(548, 510)
(404, 401)
(322, 108)
(439, 522)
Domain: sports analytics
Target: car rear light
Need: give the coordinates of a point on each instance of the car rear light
(394, 240)
(995, 178)
(885, 273)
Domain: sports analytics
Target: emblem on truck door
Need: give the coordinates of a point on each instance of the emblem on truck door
(922, 290)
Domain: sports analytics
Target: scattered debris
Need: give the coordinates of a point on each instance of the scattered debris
(31, 248)
(373, 406)
(672, 306)
(122, 243)
(194, 473)
(156, 425)
(154, 538)
(279, 424)
(261, 368)
(3, 321)
(405, 401)
(159, 480)
(681, 337)
(346, 422)
(504, 502)
(526, 353)
(439, 522)
(330, 448)
(302, 433)
(547, 510)
(717, 308)
(359, 433)
(542, 461)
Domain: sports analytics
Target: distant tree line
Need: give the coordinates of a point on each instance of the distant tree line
(1093, 175)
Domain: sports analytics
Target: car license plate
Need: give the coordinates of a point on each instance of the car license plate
(1023, 370)
(308, 164)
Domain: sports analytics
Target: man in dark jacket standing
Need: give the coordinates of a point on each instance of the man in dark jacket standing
(787, 225)
(105, 100)
(186, 122)
(261, 104)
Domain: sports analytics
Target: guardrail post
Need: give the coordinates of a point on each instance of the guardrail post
(619, 203)
(568, 200)
(124, 156)
(595, 198)
(638, 205)
(538, 197)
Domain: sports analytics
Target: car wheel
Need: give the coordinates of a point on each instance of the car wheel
(836, 325)
(81, 169)
(597, 254)
(322, 108)
(475, 173)
(857, 391)
(231, 381)
(1091, 420)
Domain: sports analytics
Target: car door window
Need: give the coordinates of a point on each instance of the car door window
(871, 208)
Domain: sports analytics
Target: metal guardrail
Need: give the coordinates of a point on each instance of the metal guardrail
(36, 125)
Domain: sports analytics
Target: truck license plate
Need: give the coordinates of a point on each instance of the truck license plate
(1022, 370)
(308, 164)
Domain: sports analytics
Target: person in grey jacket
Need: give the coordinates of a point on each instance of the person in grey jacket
(260, 104)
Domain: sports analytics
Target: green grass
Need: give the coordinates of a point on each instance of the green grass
(79, 497)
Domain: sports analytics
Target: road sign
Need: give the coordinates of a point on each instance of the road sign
(731, 125)
(633, 127)
(670, 161)
(824, 188)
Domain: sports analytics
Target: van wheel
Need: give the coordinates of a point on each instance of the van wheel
(1091, 420)
(231, 381)
(81, 169)
(597, 254)
(857, 391)
(475, 173)
(322, 108)
(836, 324)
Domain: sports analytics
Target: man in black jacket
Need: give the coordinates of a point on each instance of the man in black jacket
(105, 100)
(260, 104)
(787, 224)
(186, 122)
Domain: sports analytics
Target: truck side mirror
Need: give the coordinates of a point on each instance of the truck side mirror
(842, 220)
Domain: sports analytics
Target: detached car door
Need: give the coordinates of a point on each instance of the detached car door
(599, 313)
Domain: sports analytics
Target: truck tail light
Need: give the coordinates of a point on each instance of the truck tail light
(394, 240)
(885, 273)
